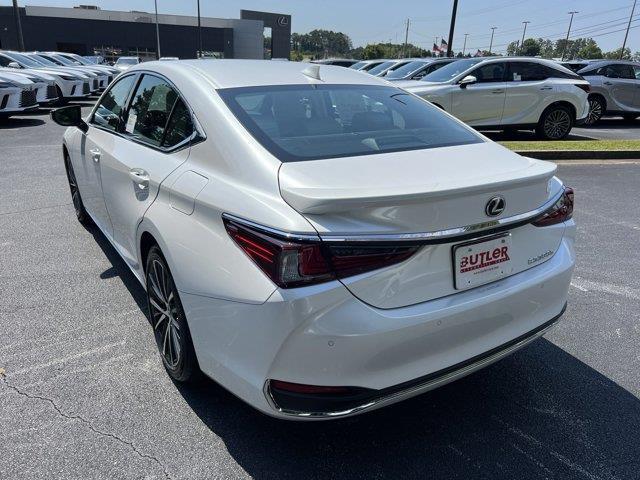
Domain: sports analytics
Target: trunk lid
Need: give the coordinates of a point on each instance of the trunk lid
(420, 191)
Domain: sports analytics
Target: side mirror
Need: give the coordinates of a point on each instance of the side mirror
(468, 80)
(14, 65)
(70, 116)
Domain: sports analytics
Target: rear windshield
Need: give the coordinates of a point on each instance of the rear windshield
(309, 122)
(381, 68)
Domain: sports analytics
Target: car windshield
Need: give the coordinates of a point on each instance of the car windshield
(127, 61)
(81, 61)
(452, 70)
(309, 122)
(406, 70)
(68, 61)
(45, 61)
(23, 59)
(382, 67)
(357, 65)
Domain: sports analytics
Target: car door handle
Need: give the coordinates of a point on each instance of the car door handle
(607, 83)
(140, 177)
(95, 154)
(497, 91)
(546, 88)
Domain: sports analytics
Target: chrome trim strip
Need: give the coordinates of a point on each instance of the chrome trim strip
(411, 391)
(438, 235)
(451, 232)
(302, 237)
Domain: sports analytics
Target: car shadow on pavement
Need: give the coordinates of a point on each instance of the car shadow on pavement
(19, 122)
(540, 413)
(119, 268)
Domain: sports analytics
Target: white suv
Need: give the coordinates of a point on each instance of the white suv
(508, 93)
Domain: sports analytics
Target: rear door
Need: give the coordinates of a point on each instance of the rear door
(155, 140)
(482, 103)
(636, 72)
(622, 85)
(528, 87)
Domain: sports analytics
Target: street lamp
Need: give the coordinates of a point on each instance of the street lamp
(158, 55)
(525, 23)
(493, 30)
(566, 42)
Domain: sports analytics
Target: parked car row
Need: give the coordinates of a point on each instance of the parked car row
(517, 93)
(30, 79)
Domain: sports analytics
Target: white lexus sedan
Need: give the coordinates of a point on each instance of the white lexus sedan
(508, 94)
(316, 240)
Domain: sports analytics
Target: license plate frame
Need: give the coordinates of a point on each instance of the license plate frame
(491, 267)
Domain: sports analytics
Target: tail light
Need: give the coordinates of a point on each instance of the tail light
(560, 212)
(297, 263)
(582, 86)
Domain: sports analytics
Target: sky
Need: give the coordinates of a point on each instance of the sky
(371, 21)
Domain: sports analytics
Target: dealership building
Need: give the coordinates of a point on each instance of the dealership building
(89, 30)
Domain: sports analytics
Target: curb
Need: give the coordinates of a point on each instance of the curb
(581, 154)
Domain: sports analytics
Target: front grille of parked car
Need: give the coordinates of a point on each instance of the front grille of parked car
(4, 102)
(51, 92)
(85, 88)
(28, 98)
(95, 84)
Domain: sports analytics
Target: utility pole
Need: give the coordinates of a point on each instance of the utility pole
(158, 55)
(626, 35)
(493, 31)
(406, 39)
(525, 23)
(464, 47)
(199, 33)
(16, 13)
(452, 28)
(566, 42)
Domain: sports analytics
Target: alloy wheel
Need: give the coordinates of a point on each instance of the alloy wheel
(165, 313)
(557, 124)
(595, 111)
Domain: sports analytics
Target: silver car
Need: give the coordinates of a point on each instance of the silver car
(615, 89)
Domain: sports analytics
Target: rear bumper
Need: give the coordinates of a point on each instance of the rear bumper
(324, 336)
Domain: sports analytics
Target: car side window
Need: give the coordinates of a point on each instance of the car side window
(527, 72)
(492, 72)
(618, 71)
(180, 126)
(4, 61)
(636, 71)
(109, 112)
(150, 108)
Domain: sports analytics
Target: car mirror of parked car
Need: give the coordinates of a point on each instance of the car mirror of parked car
(70, 116)
(468, 80)
(13, 65)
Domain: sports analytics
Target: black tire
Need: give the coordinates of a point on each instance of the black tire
(81, 214)
(555, 123)
(597, 109)
(168, 320)
(630, 117)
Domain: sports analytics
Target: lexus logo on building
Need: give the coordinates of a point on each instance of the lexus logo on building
(283, 21)
(495, 206)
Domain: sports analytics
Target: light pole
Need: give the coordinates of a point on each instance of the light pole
(493, 30)
(566, 42)
(406, 39)
(158, 55)
(464, 47)
(626, 35)
(16, 13)
(199, 33)
(525, 23)
(452, 28)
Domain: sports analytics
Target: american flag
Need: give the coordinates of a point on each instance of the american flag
(436, 49)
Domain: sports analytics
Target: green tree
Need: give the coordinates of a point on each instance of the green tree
(530, 48)
(615, 54)
(590, 50)
(512, 48)
(373, 51)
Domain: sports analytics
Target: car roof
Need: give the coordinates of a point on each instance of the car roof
(602, 63)
(230, 73)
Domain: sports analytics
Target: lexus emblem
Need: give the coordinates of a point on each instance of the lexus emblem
(495, 206)
(283, 21)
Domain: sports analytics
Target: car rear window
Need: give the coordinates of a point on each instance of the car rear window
(309, 122)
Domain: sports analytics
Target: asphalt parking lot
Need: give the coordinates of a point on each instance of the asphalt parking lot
(83, 393)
